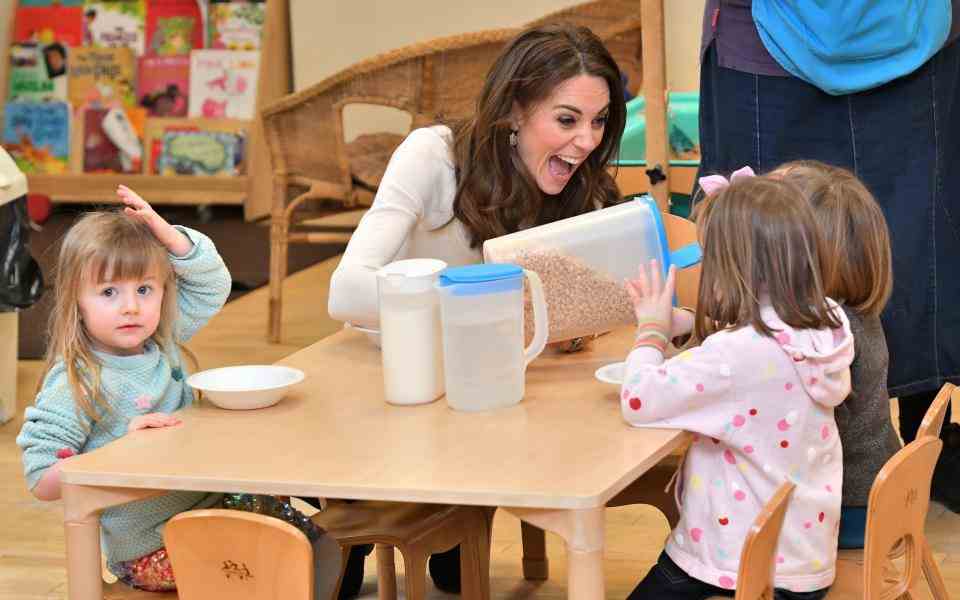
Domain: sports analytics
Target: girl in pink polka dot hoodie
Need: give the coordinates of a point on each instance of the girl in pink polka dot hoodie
(758, 393)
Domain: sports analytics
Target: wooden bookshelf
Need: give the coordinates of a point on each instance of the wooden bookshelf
(251, 190)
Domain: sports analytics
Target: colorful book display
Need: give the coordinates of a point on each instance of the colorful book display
(235, 25)
(114, 24)
(37, 73)
(46, 23)
(37, 135)
(223, 83)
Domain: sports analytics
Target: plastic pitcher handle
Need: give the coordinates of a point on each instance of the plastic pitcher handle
(540, 331)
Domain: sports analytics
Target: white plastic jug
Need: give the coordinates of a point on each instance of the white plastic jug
(410, 338)
(482, 314)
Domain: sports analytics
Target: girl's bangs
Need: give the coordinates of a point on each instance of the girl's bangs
(128, 259)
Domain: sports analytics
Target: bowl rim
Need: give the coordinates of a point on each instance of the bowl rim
(298, 376)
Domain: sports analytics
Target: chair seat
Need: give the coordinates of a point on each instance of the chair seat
(390, 523)
(120, 591)
(368, 156)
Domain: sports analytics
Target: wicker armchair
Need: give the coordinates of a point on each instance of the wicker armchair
(435, 80)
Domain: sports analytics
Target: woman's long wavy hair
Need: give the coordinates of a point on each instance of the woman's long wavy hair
(102, 246)
(496, 194)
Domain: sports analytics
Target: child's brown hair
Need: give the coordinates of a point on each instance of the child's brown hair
(854, 230)
(760, 237)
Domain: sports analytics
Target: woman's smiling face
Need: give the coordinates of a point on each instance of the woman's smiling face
(555, 136)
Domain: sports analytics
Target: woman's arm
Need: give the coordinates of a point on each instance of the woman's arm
(415, 185)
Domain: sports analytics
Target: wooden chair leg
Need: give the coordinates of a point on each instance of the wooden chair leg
(415, 574)
(475, 561)
(386, 573)
(278, 271)
(535, 564)
(931, 571)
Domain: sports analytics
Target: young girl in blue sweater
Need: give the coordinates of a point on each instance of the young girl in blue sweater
(130, 290)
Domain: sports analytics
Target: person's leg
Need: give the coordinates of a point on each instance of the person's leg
(152, 573)
(853, 526)
(445, 570)
(667, 580)
(780, 594)
(353, 573)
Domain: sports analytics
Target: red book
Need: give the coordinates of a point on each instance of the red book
(174, 27)
(163, 83)
(48, 24)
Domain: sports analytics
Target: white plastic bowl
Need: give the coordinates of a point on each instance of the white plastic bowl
(245, 387)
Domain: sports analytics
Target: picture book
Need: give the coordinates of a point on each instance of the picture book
(37, 135)
(48, 23)
(223, 83)
(37, 73)
(235, 25)
(163, 83)
(114, 24)
(174, 27)
(101, 76)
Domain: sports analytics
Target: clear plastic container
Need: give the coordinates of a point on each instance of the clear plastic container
(583, 261)
(482, 308)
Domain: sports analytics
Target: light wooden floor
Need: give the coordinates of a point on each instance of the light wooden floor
(31, 533)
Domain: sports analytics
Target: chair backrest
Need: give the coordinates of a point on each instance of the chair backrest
(896, 510)
(230, 554)
(681, 232)
(933, 419)
(758, 557)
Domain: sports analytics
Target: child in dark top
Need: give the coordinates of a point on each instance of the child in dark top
(860, 278)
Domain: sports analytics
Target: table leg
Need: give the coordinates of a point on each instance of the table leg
(583, 532)
(81, 509)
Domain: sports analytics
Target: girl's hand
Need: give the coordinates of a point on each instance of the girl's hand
(652, 298)
(151, 421)
(137, 208)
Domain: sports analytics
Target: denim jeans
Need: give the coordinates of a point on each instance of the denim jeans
(903, 141)
(668, 581)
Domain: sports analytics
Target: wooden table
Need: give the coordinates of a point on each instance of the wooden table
(554, 460)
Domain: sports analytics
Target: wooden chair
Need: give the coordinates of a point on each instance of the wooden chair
(932, 422)
(417, 531)
(434, 81)
(896, 512)
(236, 555)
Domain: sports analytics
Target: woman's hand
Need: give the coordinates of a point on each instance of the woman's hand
(137, 208)
(152, 421)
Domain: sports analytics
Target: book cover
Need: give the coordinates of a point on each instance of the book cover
(235, 25)
(51, 3)
(114, 24)
(199, 153)
(174, 27)
(37, 135)
(48, 23)
(37, 73)
(104, 151)
(103, 76)
(163, 83)
(223, 83)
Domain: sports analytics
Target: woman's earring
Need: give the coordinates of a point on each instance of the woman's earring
(513, 138)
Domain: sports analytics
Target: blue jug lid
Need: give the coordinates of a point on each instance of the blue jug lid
(479, 273)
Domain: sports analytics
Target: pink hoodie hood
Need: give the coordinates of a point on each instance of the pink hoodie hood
(821, 357)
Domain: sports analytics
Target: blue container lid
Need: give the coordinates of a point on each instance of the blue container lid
(479, 273)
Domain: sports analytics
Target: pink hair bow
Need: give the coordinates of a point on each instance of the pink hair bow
(712, 184)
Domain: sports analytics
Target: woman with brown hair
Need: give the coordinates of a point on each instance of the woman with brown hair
(548, 122)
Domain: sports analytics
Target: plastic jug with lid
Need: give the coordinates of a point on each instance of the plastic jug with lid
(410, 338)
(482, 314)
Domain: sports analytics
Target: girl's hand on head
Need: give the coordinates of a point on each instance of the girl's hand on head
(152, 421)
(137, 208)
(652, 297)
